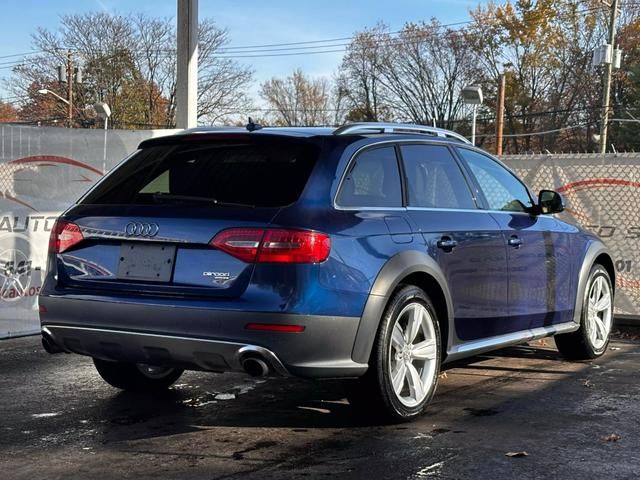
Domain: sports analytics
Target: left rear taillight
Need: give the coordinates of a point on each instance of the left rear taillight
(64, 235)
(274, 245)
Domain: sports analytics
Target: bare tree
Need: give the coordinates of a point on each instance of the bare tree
(424, 71)
(545, 49)
(130, 63)
(155, 40)
(222, 82)
(359, 75)
(298, 100)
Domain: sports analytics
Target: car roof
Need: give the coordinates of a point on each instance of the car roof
(365, 130)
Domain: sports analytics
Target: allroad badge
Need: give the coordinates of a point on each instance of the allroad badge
(141, 229)
(216, 275)
(219, 278)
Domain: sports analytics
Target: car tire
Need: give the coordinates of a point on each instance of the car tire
(592, 338)
(136, 377)
(405, 360)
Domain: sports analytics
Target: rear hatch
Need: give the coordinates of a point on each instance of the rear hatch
(150, 226)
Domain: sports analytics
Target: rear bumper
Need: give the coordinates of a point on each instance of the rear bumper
(199, 338)
(154, 349)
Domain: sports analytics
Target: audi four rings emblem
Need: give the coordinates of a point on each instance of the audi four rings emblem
(139, 229)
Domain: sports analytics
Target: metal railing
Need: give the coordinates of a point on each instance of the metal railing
(374, 127)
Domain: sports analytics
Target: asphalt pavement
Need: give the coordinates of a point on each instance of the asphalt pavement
(564, 420)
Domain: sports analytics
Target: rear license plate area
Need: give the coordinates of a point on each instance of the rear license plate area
(150, 263)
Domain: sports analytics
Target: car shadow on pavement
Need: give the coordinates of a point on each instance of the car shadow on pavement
(276, 402)
(579, 424)
(271, 403)
(523, 352)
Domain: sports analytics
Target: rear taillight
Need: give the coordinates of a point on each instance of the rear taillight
(274, 245)
(242, 243)
(294, 246)
(64, 236)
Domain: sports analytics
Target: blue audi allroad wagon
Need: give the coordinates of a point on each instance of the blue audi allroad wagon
(374, 253)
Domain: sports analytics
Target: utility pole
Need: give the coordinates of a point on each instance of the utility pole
(69, 90)
(608, 73)
(500, 114)
(187, 63)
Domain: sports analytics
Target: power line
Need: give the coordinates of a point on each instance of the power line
(262, 50)
(546, 132)
(307, 44)
(329, 40)
(246, 49)
(311, 47)
(383, 38)
(31, 52)
(340, 50)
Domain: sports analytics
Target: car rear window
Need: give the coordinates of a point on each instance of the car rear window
(264, 173)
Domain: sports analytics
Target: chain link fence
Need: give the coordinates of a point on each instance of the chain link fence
(43, 170)
(603, 195)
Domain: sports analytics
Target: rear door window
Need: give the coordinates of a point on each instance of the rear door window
(373, 180)
(265, 173)
(434, 179)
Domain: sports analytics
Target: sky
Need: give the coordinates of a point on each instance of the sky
(249, 22)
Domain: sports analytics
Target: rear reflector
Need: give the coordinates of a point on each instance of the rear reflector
(64, 235)
(274, 327)
(274, 245)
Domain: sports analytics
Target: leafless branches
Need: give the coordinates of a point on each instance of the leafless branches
(297, 100)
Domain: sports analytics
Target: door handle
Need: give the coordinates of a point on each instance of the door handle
(515, 241)
(447, 244)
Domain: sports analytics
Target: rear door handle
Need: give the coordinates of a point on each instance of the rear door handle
(515, 241)
(447, 244)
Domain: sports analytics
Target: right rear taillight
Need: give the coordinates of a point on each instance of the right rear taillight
(273, 245)
(64, 235)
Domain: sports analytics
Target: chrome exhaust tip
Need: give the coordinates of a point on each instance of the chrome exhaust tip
(256, 367)
(49, 345)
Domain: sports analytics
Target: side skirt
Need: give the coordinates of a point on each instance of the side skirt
(474, 347)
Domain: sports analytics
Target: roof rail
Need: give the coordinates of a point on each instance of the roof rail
(375, 127)
(188, 131)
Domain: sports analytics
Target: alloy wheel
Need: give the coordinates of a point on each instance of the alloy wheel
(599, 312)
(413, 354)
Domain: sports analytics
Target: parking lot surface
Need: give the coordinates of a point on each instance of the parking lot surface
(58, 420)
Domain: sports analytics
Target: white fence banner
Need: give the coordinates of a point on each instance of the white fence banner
(43, 171)
(603, 195)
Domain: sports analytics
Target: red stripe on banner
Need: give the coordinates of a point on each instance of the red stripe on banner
(629, 284)
(598, 182)
(13, 199)
(55, 159)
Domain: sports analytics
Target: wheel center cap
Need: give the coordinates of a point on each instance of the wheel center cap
(406, 352)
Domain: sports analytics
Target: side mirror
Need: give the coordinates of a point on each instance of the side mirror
(550, 202)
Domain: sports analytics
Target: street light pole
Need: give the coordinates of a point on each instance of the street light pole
(500, 114)
(472, 95)
(473, 126)
(606, 89)
(45, 91)
(103, 111)
(69, 90)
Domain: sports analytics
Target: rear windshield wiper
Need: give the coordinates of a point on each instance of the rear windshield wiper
(190, 198)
